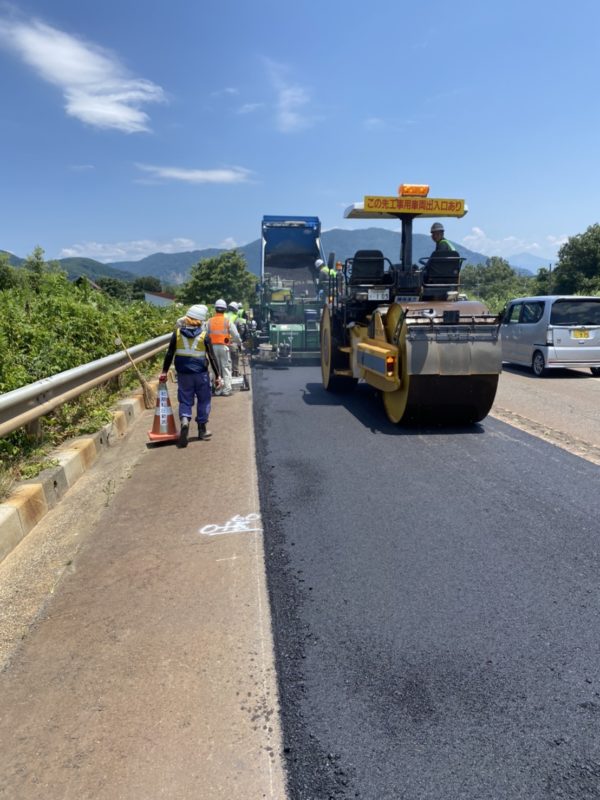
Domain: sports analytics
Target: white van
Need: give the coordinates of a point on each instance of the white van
(552, 331)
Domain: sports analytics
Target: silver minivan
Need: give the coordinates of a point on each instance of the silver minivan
(552, 331)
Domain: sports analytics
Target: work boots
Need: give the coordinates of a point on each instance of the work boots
(202, 432)
(183, 432)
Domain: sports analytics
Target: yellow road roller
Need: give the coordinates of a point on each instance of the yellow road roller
(405, 328)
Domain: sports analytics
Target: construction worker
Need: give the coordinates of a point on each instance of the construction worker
(339, 278)
(325, 275)
(234, 351)
(242, 323)
(442, 245)
(190, 346)
(222, 334)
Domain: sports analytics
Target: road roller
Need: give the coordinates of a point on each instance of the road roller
(405, 328)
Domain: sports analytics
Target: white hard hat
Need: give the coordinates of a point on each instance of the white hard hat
(221, 304)
(437, 226)
(319, 263)
(233, 305)
(199, 312)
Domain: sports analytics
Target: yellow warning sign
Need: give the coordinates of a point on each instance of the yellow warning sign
(419, 206)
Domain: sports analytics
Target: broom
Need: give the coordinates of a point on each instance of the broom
(149, 396)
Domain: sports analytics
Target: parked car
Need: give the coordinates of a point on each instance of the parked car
(552, 331)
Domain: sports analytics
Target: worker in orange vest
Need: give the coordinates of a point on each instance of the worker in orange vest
(223, 334)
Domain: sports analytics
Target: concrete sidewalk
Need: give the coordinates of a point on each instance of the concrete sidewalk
(138, 655)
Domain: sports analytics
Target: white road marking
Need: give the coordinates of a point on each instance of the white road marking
(238, 524)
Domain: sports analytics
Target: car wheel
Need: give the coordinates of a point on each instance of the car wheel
(538, 364)
(595, 371)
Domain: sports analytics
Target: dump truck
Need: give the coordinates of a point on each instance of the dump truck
(288, 304)
(405, 328)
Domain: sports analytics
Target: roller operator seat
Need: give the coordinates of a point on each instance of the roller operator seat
(368, 267)
(443, 269)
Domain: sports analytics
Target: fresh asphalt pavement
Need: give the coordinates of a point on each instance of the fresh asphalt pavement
(435, 602)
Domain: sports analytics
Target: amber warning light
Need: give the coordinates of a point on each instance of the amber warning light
(413, 190)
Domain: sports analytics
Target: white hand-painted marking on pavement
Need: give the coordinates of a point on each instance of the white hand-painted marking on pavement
(238, 524)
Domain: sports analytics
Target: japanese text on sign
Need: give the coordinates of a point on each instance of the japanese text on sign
(414, 205)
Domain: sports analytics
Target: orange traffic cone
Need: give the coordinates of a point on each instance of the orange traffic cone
(163, 427)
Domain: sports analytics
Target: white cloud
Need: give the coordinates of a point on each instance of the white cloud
(479, 241)
(81, 167)
(291, 100)
(373, 123)
(229, 243)
(249, 108)
(127, 251)
(557, 241)
(96, 87)
(229, 90)
(224, 175)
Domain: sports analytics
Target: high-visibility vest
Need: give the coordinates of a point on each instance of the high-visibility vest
(232, 316)
(326, 274)
(218, 328)
(191, 348)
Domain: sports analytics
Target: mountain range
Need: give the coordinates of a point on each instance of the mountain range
(174, 268)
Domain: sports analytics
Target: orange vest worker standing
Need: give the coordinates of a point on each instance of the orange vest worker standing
(222, 334)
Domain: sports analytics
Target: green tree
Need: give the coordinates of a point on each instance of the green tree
(495, 282)
(223, 276)
(543, 282)
(578, 268)
(35, 261)
(8, 275)
(120, 290)
(146, 283)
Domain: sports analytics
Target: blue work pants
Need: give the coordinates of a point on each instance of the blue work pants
(190, 385)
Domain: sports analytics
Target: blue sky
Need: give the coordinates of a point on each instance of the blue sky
(128, 128)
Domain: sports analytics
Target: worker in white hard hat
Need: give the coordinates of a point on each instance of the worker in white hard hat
(234, 349)
(326, 277)
(191, 348)
(223, 335)
(442, 245)
(242, 322)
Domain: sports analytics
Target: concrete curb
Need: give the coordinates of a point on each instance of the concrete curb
(32, 500)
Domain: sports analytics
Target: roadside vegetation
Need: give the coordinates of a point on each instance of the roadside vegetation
(49, 324)
(577, 272)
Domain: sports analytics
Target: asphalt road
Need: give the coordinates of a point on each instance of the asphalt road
(435, 602)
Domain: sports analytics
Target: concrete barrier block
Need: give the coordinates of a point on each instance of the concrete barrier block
(30, 502)
(54, 483)
(131, 408)
(72, 464)
(119, 424)
(11, 530)
(86, 449)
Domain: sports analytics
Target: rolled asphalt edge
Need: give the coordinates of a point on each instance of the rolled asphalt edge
(32, 499)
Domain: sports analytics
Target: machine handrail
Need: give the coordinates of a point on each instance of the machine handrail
(21, 406)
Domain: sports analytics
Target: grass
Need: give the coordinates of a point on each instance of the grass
(24, 455)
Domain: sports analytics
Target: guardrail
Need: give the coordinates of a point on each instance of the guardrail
(21, 406)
